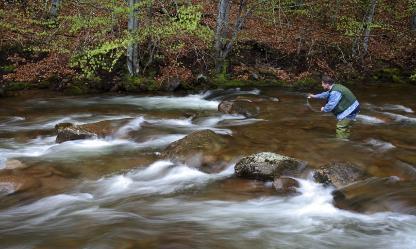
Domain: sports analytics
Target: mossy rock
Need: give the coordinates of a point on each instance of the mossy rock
(267, 166)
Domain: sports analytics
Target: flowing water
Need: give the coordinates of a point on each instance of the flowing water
(117, 192)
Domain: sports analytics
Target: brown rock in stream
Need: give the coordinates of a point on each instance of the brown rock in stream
(339, 174)
(267, 166)
(31, 179)
(198, 148)
(10, 184)
(240, 107)
(69, 131)
(378, 195)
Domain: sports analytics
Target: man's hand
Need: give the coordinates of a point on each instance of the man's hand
(310, 95)
(322, 109)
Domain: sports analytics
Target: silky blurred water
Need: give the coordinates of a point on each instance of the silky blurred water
(116, 191)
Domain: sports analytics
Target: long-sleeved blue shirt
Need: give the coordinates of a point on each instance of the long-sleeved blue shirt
(333, 98)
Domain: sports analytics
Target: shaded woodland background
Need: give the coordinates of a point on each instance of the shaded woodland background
(138, 45)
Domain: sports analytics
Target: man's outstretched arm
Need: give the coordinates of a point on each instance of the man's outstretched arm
(323, 95)
(334, 98)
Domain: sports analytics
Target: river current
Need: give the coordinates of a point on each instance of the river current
(117, 192)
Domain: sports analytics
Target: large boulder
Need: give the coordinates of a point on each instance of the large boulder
(339, 174)
(375, 194)
(69, 131)
(267, 166)
(198, 148)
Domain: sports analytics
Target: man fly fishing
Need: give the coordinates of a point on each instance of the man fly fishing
(341, 102)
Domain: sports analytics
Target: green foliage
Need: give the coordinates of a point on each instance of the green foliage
(101, 58)
(79, 22)
(138, 84)
(412, 5)
(105, 55)
(413, 77)
(349, 26)
(17, 86)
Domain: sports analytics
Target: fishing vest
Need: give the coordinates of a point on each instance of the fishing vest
(347, 98)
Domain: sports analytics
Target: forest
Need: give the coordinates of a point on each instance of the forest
(141, 45)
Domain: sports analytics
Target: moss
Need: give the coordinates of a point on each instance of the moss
(17, 86)
(7, 68)
(390, 75)
(43, 85)
(306, 84)
(74, 90)
(139, 84)
(232, 83)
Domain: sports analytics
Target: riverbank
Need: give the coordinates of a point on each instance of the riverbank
(385, 78)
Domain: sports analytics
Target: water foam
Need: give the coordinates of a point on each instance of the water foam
(380, 145)
(401, 118)
(390, 107)
(369, 119)
(161, 177)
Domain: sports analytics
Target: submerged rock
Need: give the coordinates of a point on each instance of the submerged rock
(267, 166)
(249, 106)
(285, 185)
(245, 108)
(339, 174)
(198, 148)
(14, 164)
(34, 179)
(10, 184)
(239, 107)
(69, 131)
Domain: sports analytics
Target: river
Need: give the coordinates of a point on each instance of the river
(116, 192)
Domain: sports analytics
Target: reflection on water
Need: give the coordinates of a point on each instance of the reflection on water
(116, 192)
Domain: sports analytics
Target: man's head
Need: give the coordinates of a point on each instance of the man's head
(327, 82)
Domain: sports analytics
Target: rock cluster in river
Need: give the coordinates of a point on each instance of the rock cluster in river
(268, 166)
(284, 171)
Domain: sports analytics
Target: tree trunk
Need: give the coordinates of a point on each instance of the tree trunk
(133, 48)
(367, 27)
(221, 33)
(335, 14)
(53, 11)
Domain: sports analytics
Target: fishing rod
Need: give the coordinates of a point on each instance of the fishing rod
(309, 106)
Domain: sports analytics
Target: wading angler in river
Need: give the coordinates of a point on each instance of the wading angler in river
(341, 102)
